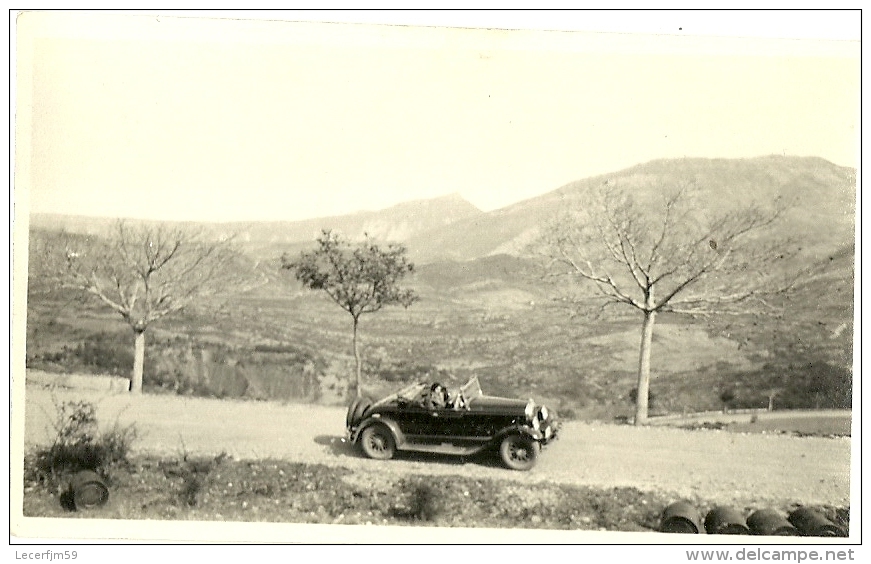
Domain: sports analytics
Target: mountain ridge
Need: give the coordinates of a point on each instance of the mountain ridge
(267, 239)
(823, 196)
(450, 228)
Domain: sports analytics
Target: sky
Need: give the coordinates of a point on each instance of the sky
(239, 116)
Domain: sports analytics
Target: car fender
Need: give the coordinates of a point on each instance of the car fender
(376, 419)
(518, 430)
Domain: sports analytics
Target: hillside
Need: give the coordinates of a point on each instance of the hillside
(821, 196)
(398, 223)
(485, 311)
(267, 240)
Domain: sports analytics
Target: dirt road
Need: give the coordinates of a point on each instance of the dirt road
(720, 466)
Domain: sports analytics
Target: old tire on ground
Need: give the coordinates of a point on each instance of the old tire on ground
(356, 410)
(519, 452)
(377, 442)
(88, 490)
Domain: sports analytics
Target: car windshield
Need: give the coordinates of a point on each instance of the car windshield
(472, 388)
(418, 392)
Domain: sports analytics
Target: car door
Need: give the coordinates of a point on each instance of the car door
(446, 423)
(428, 425)
(418, 421)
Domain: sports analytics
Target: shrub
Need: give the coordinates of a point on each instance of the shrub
(195, 473)
(633, 397)
(107, 353)
(420, 501)
(94, 353)
(79, 445)
(408, 372)
(424, 505)
(295, 353)
(803, 384)
(195, 478)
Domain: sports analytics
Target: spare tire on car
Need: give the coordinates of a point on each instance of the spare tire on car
(356, 411)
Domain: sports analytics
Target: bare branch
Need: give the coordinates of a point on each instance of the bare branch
(665, 252)
(141, 272)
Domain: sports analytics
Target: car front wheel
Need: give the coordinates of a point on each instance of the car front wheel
(377, 442)
(519, 452)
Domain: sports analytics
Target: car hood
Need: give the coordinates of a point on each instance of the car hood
(494, 404)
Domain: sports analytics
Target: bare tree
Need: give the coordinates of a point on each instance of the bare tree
(141, 272)
(679, 256)
(360, 279)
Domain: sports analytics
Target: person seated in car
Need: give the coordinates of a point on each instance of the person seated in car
(456, 400)
(437, 397)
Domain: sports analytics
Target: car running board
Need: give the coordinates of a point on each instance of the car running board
(444, 448)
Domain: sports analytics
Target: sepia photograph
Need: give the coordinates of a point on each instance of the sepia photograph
(570, 277)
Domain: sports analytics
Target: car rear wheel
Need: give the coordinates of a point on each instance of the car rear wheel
(519, 452)
(377, 442)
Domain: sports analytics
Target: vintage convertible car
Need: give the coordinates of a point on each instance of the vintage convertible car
(427, 417)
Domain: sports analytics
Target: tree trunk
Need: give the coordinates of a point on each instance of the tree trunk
(138, 361)
(644, 368)
(358, 362)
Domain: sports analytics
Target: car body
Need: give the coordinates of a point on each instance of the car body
(427, 417)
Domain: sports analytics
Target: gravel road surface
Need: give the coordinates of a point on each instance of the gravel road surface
(719, 466)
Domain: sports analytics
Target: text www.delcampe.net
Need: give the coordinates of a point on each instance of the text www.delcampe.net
(771, 554)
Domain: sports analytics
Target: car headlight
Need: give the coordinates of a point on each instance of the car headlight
(543, 413)
(536, 424)
(530, 410)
